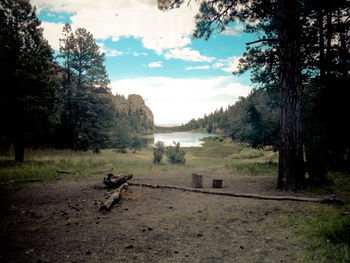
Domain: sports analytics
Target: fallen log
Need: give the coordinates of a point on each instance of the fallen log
(64, 172)
(114, 198)
(88, 172)
(100, 171)
(31, 180)
(326, 199)
(112, 181)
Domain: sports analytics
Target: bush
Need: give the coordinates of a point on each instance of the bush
(158, 152)
(136, 144)
(175, 154)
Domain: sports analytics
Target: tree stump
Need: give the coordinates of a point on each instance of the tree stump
(197, 181)
(217, 183)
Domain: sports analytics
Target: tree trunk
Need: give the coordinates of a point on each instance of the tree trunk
(291, 161)
(19, 149)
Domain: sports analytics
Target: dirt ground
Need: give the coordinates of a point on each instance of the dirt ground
(61, 222)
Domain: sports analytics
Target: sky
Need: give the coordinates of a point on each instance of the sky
(151, 53)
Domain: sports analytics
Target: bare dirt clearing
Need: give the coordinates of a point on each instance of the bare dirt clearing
(61, 222)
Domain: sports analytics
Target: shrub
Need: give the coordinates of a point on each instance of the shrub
(175, 154)
(158, 152)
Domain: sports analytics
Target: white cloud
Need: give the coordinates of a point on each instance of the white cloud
(155, 64)
(187, 54)
(233, 31)
(179, 100)
(52, 32)
(109, 52)
(218, 65)
(228, 65)
(114, 19)
(197, 67)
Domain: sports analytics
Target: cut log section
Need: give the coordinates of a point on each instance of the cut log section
(197, 181)
(217, 183)
(114, 198)
(112, 181)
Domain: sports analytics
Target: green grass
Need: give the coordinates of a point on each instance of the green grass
(217, 152)
(327, 235)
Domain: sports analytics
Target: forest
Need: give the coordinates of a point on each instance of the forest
(63, 101)
(274, 182)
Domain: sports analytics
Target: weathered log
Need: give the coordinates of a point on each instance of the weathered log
(31, 180)
(114, 198)
(64, 172)
(112, 181)
(325, 199)
(197, 181)
(217, 183)
(100, 171)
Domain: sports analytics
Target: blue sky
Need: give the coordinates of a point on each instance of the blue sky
(151, 53)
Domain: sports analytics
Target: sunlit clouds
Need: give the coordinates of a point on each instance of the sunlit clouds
(174, 100)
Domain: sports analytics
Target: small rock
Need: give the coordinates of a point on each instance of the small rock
(129, 246)
(126, 209)
(88, 253)
(241, 247)
(143, 230)
(176, 252)
(97, 222)
(149, 228)
(170, 207)
(199, 235)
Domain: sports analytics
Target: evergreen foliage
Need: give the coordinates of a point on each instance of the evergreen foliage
(301, 60)
(88, 107)
(28, 97)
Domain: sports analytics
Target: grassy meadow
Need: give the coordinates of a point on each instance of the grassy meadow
(43, 163)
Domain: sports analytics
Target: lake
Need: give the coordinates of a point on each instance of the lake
(186, 139)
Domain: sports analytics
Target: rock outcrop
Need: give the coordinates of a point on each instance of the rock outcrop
(134, 105)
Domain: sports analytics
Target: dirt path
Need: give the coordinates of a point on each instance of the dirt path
(60, 222)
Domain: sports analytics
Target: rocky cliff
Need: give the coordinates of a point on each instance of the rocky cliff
(134, 105)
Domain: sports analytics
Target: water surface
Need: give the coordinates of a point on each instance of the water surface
(186, 139)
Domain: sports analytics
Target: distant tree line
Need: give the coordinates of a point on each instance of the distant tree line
(66, 104)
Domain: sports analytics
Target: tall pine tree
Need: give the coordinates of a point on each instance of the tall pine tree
(28, 91)
(87, 98)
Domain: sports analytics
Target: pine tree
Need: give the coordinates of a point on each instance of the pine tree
(87, 97)
(28, 101)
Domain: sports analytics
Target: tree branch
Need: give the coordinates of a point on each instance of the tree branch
(261, 40)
